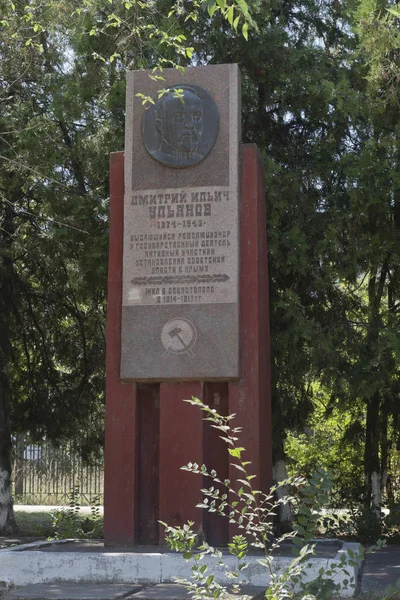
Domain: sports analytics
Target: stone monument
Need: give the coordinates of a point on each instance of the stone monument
(180, 315)
(187, 301)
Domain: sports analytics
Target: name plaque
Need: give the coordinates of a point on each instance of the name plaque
(180, 289)
(183, 246)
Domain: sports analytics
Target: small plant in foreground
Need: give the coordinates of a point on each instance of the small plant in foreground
(368, 525)
(67, 523)
(253, 512)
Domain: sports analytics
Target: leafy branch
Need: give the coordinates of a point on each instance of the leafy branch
(252, 511)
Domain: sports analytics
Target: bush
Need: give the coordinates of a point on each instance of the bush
(368, 525)
(253, 511)
(67, 523)
(391, 522)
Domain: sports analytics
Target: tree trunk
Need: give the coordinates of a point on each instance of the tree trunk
(19, 466)
(371, 455)
(385, 446)
(279, 473)
(7, 520)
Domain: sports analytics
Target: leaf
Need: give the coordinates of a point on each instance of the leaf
(238, 467)
(246, 483)
(235, 452)
(211, 8)
(243, 7)
(229, 14)
(221, 3)
(245, 30)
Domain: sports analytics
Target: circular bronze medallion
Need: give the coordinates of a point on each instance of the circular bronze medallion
(182, 127)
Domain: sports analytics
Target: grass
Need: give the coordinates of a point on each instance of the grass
(34, 524)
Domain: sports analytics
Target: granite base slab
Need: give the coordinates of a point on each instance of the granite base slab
(29, 564)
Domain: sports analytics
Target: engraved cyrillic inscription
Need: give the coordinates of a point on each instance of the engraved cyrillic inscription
(180, 247)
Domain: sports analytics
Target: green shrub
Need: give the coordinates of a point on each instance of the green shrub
(252, 511)
(67, 523)
(368, 525)
(391, 522)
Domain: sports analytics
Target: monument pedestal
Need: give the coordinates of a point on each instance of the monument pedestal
(150, 431)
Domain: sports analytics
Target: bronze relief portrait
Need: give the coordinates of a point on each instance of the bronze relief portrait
(182, 127)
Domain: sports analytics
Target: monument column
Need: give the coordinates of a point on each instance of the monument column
(250, 396)
(188, 302)
(181, 441)
(121, 421)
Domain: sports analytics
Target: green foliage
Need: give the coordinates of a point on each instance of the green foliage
(62, 113)
(330, 148)
(155, 33)
(367, 524)
(391, 522)
(251, 511)
(311, 500)
(334, 437)
(67, 523)
(320, 98)
(34, 523)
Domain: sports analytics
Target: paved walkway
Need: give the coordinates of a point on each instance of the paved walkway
(70, 591)
(381, 571)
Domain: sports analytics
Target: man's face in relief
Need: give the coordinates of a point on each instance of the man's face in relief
(182, 121)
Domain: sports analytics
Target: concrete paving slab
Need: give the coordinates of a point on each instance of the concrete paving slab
(73, 591)
(174, 591)
(162, 591)
(381, 570)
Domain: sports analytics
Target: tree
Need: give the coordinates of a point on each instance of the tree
(332, 221)
(330, 154)
(62, 97)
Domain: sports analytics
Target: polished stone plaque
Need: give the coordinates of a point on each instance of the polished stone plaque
(180, 308)
(182, 127)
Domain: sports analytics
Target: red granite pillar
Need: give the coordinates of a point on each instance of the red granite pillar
(216, 528)
(250, 398)
(147, 466)
(150, 436)
(121, 402)
(181, 441)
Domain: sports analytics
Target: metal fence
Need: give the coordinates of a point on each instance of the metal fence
(45, 474)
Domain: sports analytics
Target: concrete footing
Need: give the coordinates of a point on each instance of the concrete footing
(44, 563)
